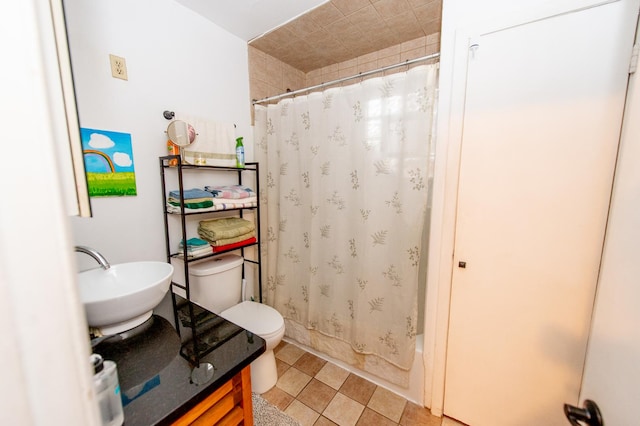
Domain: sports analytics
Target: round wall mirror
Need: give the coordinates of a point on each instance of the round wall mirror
(181, 133)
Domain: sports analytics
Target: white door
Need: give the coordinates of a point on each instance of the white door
(612, 375)
(542, 121)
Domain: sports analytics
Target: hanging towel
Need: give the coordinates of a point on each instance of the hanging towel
(215, 141)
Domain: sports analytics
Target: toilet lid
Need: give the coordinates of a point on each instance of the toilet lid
(256, 317)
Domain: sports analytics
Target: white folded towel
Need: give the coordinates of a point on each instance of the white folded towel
(247, 200)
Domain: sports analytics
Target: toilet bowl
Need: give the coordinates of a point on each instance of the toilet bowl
(267, 323)
(216, 285)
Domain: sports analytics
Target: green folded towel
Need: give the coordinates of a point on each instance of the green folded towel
(201, 205)
(224, 228)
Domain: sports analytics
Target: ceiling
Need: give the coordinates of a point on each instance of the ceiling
(311, 34)
(248, 19)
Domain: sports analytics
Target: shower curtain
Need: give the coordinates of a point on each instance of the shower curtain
(346, 175)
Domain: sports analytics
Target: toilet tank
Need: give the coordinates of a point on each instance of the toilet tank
(216, 283)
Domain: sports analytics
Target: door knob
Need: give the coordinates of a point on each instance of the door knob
(462, 265)
(590, 414)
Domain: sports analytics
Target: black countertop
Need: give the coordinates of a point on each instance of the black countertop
(155, 380)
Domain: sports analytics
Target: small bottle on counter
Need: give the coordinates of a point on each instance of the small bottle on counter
(239, 153)
(173, 149)
(107, 387)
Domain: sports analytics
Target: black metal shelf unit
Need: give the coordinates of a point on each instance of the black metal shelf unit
(188, 317)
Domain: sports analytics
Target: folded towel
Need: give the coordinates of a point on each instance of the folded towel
(200, 205)
(227, 241)
(189, 200)
(196, 253)
(224, 228)
(194, 242)
(216, 207)
(235, 200)
(232, 246)
(191, 193)
(202, 250)
(230, 191)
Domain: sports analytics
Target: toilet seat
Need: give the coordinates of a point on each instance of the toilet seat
(255, 317)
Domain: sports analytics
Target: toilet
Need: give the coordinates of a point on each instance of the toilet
(216, 285)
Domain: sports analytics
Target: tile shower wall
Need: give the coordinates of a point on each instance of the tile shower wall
(389, 56)
(270, 76)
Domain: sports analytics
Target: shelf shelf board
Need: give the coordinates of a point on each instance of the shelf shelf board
(215, 253)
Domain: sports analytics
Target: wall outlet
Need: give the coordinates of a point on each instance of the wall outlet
(118, 67)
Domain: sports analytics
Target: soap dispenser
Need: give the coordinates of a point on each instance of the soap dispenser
(107, 388)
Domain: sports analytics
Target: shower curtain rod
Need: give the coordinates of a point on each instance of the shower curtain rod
(340, 80)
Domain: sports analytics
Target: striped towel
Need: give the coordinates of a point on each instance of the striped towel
(230, 191)
(216, 207)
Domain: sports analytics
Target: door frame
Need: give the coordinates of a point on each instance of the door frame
(453, 68)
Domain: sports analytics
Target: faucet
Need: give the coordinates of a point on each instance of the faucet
(93, 253)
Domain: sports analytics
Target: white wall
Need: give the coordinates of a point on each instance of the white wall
(459, 17)
(176, 60)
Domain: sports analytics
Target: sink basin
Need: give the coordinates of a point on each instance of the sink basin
(123, 296)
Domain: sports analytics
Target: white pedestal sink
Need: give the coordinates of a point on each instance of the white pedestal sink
(122, 297)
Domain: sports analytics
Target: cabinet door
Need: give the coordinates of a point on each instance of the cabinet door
(543, 111)
(230, 404)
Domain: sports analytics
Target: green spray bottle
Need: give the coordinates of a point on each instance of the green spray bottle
(239, 153)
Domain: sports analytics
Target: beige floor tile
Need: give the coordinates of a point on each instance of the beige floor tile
(323, 421)
(278, 397)
(309, 363)
(289, 354)
(370, 417)
(332, 375)
(303, 414)
(343, 410)
(387, 403)
(281, 345)
(447, 421)
(316, 395)
(416, 415)
(293, 381)
(355, 387)
(281, 366)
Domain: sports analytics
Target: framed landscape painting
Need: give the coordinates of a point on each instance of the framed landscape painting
(108, 160)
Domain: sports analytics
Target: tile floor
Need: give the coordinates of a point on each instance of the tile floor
(318, 393)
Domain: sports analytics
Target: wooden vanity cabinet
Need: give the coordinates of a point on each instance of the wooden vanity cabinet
(230, 404)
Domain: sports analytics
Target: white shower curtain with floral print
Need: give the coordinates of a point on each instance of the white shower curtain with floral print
(344, 196)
